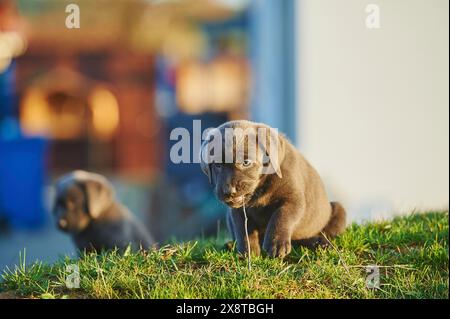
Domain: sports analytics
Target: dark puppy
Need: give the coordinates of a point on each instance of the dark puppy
(85, 207)
(283, 194)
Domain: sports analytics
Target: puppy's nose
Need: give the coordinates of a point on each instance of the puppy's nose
(229, 191)
(62, 223)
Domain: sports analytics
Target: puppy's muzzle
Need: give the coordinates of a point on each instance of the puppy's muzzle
(228, 191)
(230, 196)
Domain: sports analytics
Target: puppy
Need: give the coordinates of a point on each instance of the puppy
(283, 194)
(86, 208)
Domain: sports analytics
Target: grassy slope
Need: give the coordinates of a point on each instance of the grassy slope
(413, 252)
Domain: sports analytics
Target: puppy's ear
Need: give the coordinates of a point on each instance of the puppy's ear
(276, 159)
(206, 167)
(274, 149)
(59, 187)
(212, 143)
(100, 196)
(57, 190)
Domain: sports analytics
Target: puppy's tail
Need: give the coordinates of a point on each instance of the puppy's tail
(336, 224)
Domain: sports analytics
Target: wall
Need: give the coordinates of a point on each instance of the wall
(373, 104)
(272, 48)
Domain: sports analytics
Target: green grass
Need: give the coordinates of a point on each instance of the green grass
(412, 253)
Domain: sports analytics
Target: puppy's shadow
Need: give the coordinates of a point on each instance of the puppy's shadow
(311, 244)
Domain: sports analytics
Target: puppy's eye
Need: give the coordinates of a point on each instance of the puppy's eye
(247, 163)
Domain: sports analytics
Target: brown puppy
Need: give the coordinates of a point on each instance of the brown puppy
(85, 207)
(283, 194)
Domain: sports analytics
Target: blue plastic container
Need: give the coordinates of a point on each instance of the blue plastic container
(22, 178)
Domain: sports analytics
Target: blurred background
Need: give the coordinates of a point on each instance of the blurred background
(368, 107)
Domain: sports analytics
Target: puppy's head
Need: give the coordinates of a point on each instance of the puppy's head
(237, 155)
(81, 197)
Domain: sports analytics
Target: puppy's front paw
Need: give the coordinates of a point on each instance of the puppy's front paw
(278, 247)
(229, 245)
(255, 249)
